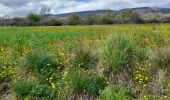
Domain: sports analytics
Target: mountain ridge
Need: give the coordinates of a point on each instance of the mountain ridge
(97, 12)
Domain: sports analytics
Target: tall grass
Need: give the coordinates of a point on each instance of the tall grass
(120, 50)
(115, 93)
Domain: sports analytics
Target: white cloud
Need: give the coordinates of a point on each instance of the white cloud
(23, 7)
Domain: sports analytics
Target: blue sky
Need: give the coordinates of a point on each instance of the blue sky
(23, 7)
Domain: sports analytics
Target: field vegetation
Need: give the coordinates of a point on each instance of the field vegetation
(116, 62)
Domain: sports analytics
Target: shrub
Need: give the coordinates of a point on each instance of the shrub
(113, 92)
(84, 58)
(23, 88)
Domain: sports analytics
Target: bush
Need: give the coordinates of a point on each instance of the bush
(24, 88)
(113, 92)
(84, 58)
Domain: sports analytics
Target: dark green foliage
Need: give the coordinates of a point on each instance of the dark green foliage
(54, 22)
(34, 17)
(74, 20)
(106, 20)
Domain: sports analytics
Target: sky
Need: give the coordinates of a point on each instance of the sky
(21, 8)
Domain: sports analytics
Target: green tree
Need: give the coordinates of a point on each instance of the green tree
(34, 17)
(90, 20)
(108, 17)
(127, 15)
(74, 20)
(136, 18)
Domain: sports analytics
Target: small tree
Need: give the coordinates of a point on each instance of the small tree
(136, 18)
(108, 17)
(127, 15)
(74, 20)
(90, 20)
(33, 17)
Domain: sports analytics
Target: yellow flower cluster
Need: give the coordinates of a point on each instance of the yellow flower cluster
(141, 76)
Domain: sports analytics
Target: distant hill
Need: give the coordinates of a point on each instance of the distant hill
(81, 14)
(148, 10)
(98, 12)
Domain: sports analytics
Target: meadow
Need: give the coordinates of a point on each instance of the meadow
(114, 62)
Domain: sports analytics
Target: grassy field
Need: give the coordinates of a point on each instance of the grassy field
(119, 62)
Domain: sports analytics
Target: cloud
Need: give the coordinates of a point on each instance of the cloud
(15, 3)
(23, 7)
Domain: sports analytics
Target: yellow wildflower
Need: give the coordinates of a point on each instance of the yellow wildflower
(53, 86)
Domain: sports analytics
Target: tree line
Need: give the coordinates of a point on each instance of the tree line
(108, 17)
